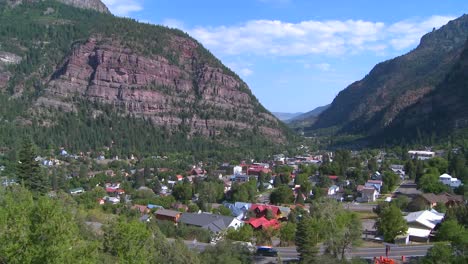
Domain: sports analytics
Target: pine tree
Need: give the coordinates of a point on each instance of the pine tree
(28, 169)
(307, 238)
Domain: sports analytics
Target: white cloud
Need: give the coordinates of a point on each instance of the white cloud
(173, 23)
(241, 67)
(123, 7)
(329, 37)
(245, 72)
(323, 66)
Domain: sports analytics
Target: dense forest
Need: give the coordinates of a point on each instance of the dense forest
(42, 34)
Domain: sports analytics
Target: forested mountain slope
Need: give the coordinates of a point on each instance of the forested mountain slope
(84, 79)
(370, 105)
(438, 114)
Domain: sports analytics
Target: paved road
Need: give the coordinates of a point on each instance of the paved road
(395, 252)
(359, 206)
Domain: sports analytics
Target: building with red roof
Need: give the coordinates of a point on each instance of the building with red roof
(263, 223)
(257, 170)
(333, 177)
(261, 210)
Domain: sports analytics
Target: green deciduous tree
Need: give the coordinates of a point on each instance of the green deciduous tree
(131, 242)
(391, 223)
(439, 254)
(226, 252)
(14, 225)
(40, 231)
(287, 233)
(282, 195)
(244, 233)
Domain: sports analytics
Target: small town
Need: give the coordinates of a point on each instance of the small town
(259, 203)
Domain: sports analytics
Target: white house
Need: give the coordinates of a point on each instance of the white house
(333, 190)
(421, 224)
(449, 180)
(237, 170)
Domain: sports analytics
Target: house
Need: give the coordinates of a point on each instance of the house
(112, 200)
(421, 154)
(238, 209)
(168, 215)
(145, 218)
(376, 176)
(263, 223)
(421, 224)
(197, 172)
(143, 209)
(261, 210)
(333, 177)
(332, 190)
(257, 170)
(237, 170)
(240, 178)
(78, 190)
(450, 181)
(180, 207)
(447, 199)
(369, 194)
(154, 206)
(215, 223)
(398, 170)
(377, 184)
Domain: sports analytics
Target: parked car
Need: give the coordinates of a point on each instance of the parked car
(267, 252)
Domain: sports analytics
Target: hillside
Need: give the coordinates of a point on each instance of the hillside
(79, 77)
(96, 5)
(370, 105)
(438, 114)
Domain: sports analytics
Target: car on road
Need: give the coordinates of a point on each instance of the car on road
(266, 251)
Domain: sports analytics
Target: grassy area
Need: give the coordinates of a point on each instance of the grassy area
(366, 215)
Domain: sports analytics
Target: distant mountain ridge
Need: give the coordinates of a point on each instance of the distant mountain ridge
(286, 116)
(370, 105)
(306, 119)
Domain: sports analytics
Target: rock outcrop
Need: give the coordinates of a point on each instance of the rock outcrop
(193, 94)
(96, 5)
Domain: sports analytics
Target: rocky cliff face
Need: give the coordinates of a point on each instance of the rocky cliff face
(372, 103)
(96, 5)
(191, 94)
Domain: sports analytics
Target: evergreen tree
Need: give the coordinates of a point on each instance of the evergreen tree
(28, 169)
(307, 238)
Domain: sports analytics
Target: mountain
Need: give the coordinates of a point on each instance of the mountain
(96, 5)
(307, 119)
(438, 114)
(286, 116)
(84, 79)
(370, 105)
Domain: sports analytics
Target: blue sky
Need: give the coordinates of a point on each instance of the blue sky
(296, 55)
